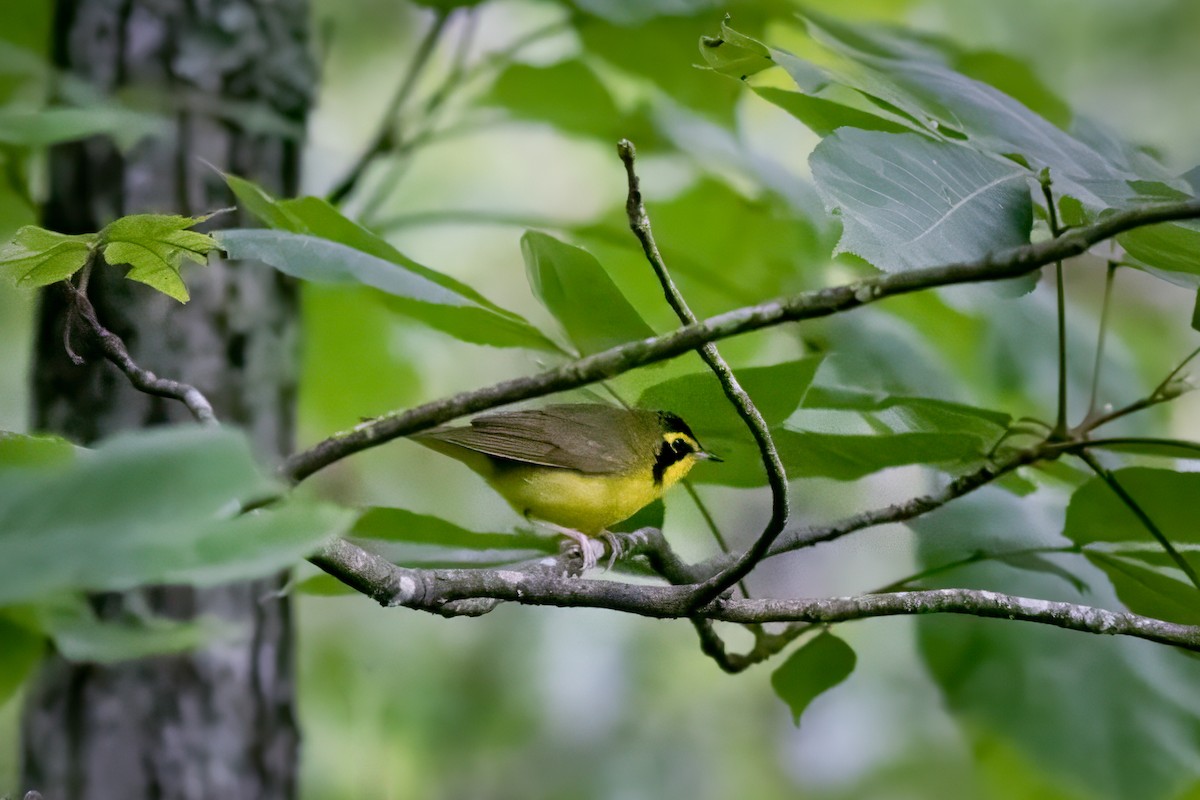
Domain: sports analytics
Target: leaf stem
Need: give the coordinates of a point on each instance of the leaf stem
(1060, 426)
(1100, 339)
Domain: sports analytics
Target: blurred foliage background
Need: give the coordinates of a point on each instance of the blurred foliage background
(544, 703)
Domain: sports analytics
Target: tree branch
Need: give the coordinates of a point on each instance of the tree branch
(142, 379)
(436, 591)
(806, 305)
(639, 223)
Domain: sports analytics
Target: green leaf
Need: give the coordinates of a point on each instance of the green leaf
(155, 247)
(567, 95)
(380, 523)
(1170, 247)
(824, 116)
(38, 257)
(574, 287)
(1171, 499)
(819, 665)
(847, 457)
(467, 315)
(80, 636)
(22, 451)
(157, 506)
(1196, 312)
(735, 54)
(914, 74)
(50, 126)
(1148, 591)
(412, 293)
(908, 202)
(22, 647)
(1112, 717)
(776, 390)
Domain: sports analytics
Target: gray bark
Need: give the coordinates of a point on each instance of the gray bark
(218, 723)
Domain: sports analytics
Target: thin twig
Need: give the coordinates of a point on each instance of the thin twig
(639, 223)
(379, 143)
(1115, 442)
(142, 379)
(1162, 393)
(806, 305)
(1149, 524)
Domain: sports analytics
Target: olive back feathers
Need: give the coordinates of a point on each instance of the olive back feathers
(586, 437)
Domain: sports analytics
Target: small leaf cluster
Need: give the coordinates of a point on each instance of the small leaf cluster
(153, 246)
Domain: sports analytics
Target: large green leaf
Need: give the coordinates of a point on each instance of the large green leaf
(1149, 591)
(158, 506)
(568, 95)
(1109, 717)
(819, 665)
(909, 202)
(399, 525)
(80, 636)
(776, 390)
(413, 289)
(50, 126)
(823, 116)
(1171, 499)
(574, 287)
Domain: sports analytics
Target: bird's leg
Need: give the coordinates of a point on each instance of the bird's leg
(615, 548)
(585, 542)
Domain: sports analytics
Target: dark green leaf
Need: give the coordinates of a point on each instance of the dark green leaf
(1149, 591)
(1162, 448)
(1112, 717)
(398, 525)
(823, 116)
(22, 646)
(908, 202)
(819, 665)
(1171, 499)
(776, 390)
(567, 95)
(158, 506)
(155, 247)
(38, 257)
(850, 457)
(574, 287)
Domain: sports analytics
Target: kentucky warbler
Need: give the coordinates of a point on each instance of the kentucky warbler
(577, 468)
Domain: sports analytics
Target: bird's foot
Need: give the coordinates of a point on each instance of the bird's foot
(590, 550)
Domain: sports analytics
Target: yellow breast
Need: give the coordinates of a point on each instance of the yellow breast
(585, 502)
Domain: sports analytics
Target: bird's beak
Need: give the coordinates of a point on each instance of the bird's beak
(704, 455)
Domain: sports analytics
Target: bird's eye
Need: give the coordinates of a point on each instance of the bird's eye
(681, 447)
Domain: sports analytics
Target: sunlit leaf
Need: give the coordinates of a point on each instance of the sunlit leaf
(38, 257)
(155, 247)
(574, 287)
(1148, 591)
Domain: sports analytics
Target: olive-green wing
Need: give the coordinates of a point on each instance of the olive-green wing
(588, 437)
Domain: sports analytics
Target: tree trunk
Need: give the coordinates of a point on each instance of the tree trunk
(218, 723)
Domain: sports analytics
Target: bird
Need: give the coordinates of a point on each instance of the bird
(575, 468)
